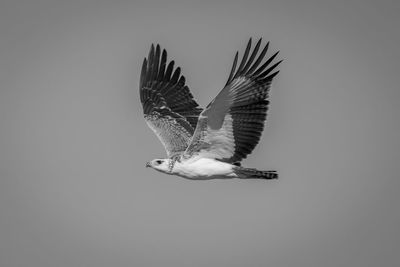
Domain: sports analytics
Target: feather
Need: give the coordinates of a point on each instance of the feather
(231, 125)
(168, 106)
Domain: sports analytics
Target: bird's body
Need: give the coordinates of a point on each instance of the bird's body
(208, 143)
(198, 168)
(203, 169)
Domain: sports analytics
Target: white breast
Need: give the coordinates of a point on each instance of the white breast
(203, 168)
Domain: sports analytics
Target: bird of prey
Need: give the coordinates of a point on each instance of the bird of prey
(208, 143)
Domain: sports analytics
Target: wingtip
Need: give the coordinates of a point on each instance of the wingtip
(151, 53)
(278, 63)
(249, 42)
(266, 46)
(158, 50)
(271, 76)
(231, 74)
(259, 41)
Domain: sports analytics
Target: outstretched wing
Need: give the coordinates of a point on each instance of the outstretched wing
(168, 106)
(231, 125)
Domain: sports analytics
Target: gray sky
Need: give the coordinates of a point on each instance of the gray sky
(74, 190)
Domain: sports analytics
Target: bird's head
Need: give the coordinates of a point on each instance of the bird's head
(161, 165)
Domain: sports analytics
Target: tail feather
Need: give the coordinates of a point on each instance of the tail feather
(249, 173)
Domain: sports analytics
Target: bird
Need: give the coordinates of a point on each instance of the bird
(208, 143)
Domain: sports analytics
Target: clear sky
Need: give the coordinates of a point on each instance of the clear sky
(74, 190)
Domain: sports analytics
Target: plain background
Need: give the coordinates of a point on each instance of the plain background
(74, 190)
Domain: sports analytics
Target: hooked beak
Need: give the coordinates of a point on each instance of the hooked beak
(148, 164)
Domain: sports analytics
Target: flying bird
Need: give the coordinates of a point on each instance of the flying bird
(208, 143)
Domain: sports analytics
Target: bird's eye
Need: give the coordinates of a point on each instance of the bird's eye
(158, 162)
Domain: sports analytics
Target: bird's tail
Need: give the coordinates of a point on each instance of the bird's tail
(248, 173)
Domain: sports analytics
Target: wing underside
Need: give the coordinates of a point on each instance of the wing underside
(231, 125)
(168, 106)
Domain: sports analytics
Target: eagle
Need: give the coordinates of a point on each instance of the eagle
(208, 143)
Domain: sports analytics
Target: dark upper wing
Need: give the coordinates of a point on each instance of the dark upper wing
(168, 106)
(231, 125)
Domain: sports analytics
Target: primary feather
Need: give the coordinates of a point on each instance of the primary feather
(230, 127)
(168, 106)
